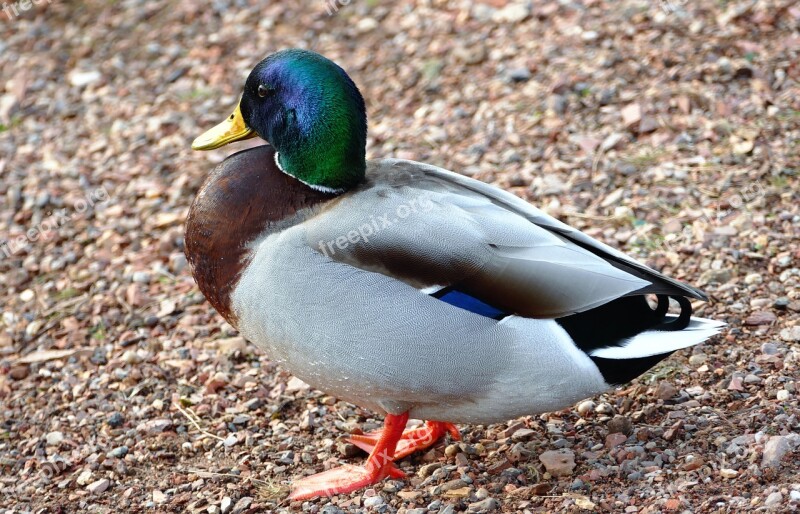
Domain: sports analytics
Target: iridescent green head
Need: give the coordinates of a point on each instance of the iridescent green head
(312, 113)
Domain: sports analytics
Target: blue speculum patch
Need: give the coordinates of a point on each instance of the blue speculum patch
(470, 303)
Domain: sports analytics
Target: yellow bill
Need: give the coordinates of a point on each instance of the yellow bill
(232, 129)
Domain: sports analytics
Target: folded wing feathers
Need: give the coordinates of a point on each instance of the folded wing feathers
(662, 284)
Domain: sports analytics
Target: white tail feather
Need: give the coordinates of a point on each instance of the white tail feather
(655, 342)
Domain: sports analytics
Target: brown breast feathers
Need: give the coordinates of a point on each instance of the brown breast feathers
(239, 201)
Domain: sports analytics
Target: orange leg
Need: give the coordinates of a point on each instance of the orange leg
(412, 440)
(348, 478)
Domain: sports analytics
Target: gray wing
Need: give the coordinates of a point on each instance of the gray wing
(432, 228)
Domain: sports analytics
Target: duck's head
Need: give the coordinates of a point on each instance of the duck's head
(312, 113)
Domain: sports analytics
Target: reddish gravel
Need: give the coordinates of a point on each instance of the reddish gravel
(670, 129)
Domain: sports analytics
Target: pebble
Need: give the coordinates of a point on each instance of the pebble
(519, 74)
(585, 408)
(426, 470)
(131, 357)
(410, 496)
(217, 382)
(728, 473)
(791, 334)
(487, 505)
(620, 424)
(118, 452)
(604, 408)
(760, 318)
(753, 278)
(615, 439)
(558, 104)
(783, 395)
(523, 434)
(373, 501)
(773, 500)
(666, 391)
(347, 450)
(99, 357)
(154, 426)
(698, 359)
(693, 462)
(225, 505)
(781, 303)
(242, 505)
(558, 463)
(79, 78)
(367, 24)
(776, 447)
(769, 349)
(99, 486)
(54, 438)
(85, 477)
(253, 404)
(141, 277)
(115, 420)
(636, 475)
(512, 13)
(718, 276)
(231, 345)
(177, 262)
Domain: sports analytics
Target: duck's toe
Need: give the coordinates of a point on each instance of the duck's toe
(342, 480)
(412, 440)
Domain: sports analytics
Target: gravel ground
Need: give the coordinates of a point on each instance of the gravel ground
(669, 129)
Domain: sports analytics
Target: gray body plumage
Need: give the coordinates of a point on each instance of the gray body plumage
(339, 298)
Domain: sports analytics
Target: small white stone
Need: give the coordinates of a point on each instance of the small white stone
(366, 24)
(83, 78)
(373, 501)
(226, 504)
(141, 277)
(585, 408)
(54, 438)
(604, 408)
(85, 477)
(100, 486)
(131, 357)
(728, 473)
(159, 496)
(512, 13)
(783, 395)
(753, 278)
(27, 295)
(590, 35)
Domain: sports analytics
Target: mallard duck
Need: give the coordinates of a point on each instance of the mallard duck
(405, 288)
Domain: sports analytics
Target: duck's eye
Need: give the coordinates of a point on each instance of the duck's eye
(264, 91)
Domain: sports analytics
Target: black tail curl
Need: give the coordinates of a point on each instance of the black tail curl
(614, 323)
(683, 319)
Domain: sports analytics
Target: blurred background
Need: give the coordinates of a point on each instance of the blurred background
(667, 128)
